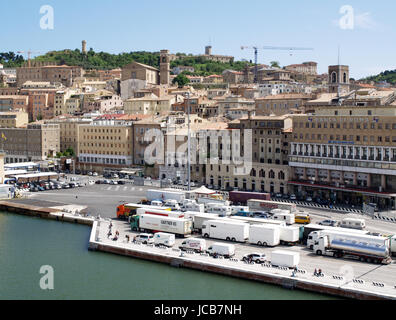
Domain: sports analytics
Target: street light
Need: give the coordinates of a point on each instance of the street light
(188, 141)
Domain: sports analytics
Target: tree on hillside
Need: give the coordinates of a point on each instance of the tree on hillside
(181, 80)
(275, 64)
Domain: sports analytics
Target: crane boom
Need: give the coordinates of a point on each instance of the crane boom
(256, 48)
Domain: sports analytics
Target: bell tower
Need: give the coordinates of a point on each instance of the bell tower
(164, 67)
(339, 79)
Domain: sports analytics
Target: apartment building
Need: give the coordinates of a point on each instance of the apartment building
(69, 128)
(51, 73)
(282, 104)
(150, 104)
(16, 119)
(140, 128)
(266, 169)
(345, 154)
(36, 142)
(105, 144)
(232, 102)
(310, 68)
(14, 102)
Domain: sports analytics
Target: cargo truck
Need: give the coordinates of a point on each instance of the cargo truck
(281, 258)
(266, 205)
(367, 248)
(159, 212)
(226, 230)
(241, 197)
(219, 209)
(163, 195)
(257, 220)
(199, 218)
(205, 201)
(264, 235)
(289, 235)
(151, 223)
(393, 245)
(129, 209)
(316, 227)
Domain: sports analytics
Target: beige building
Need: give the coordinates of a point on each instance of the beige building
(266, 170)
(61, 74)
(140, 71)
(35, 143)
(104, 144)
(14, 102)
(346, 155)
(310, 68)
(281, 104)
(16, 119)
(69, 128)
(149, 104)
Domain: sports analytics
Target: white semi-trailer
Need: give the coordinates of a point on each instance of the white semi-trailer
(289, 235)
(199, 218)
(315, 235)
(154, 194)
(264, 235)
(152, 223)
(287, 259)
(226, 230)
(159, 212)
(267, 205)
(367, 248)
(257, 220)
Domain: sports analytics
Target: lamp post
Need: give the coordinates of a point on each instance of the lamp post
(188, 142)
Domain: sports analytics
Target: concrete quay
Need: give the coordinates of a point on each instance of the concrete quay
(362, 286)
(329, 284)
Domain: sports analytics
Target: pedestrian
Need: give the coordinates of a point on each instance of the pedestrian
(320, 272)
(117, 233)
(127, 237)
(109, 234)
(134, 239)
(315, 272)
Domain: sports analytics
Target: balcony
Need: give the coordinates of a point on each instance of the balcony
(300, 153)
(330, 155)
(378, 158)
(318, 154)
(306, 154)
(350, 156)
(386, 158)
(324, 155)
(337, 155)
(312, 154)
(364, 157)
(393, 159)
(371, 157)
(343, 156)
(294, 153)
(357, 157)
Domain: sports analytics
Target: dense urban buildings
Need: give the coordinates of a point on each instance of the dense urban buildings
(313, 135)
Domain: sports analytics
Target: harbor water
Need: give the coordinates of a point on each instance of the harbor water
(26, 244)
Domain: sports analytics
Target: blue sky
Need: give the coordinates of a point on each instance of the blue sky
(187, 26)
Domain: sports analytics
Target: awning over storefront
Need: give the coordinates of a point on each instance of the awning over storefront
(344, 189)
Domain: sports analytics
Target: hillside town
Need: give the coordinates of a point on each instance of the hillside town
(316, 137)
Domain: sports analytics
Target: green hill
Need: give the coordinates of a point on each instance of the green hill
(102, 60)
(388, 76)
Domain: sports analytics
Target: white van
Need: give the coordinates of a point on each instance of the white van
(156, 203)
(164, 239)
(285, 216)
(221, 210)
(353, 223)
(221, 249)
(198, 245)
(144, 238)
(173, 204)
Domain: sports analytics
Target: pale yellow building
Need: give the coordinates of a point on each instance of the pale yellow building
(104, 144)
(16, 119)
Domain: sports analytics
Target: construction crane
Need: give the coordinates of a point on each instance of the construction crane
(256, 48)
(29, 54)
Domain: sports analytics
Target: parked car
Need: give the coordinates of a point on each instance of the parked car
(293, 197)
(255, 257)
(95, 174)
(145, 238)
(308, 199)
(113, 182)
(328, 222)
(278, 195)
(285, 196)
(121, 182)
